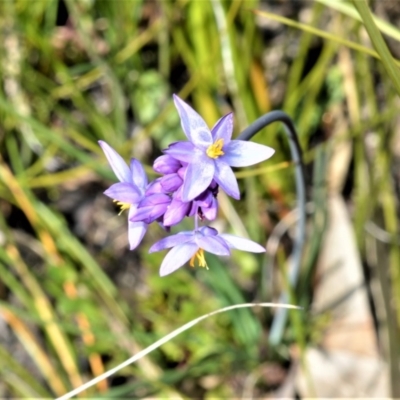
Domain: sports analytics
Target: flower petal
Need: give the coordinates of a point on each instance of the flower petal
(171, 182)
(175, 213)
(225, 178)
(150, 208)
(136, 231)
(177, 257)
(211, 211)
(125, 192)
(239, 153)
(223, 129)
(205, 198)
(236, 242)
(198, 177)
(117, 163)
(182, 151)
(172, 241)
(194, 209)
(182, 171)
(166, 164)
(196, 130)
(149, 214)
(154, 187)
(139, 177)
(208, 231)
(212, 245)
(154, 200)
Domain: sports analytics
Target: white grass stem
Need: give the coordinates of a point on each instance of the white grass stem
(164, 340)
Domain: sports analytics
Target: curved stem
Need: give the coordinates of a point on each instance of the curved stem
(166, 339)
(279, 321)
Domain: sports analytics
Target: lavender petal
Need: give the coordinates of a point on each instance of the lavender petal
(154, 187)
(182, 151)
(172, 241)
(177, 257)
(154, 199)
(171, 182)
(239, 153)
(204, 199)
(196, 130)
(212, 245)
(198, 177)
(117, 163)
(139, 177)
(211, 211)
(136, 231)
(236, 242)
(208, 231)
(182, 171)
(225, 178)
(223, 129)
(166, 164)
(124, 192)
(149, 213)
(176, 211)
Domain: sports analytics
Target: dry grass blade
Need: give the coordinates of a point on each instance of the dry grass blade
(166, 339)
(37, 353)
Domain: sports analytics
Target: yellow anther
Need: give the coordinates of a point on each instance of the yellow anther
(124, 206)
(215, 150)
(200, 258)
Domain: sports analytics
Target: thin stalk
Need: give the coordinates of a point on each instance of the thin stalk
(279, 321)
(164, 340)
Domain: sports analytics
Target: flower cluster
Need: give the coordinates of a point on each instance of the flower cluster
(192, 173)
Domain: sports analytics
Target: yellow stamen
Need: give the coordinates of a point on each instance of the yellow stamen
(124, 206)
(215, 150)
(200, 258)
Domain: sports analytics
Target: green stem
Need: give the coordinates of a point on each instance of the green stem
(378, 42)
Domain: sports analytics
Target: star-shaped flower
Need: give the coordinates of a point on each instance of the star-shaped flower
(129, 191)
(190, 245)
(204, 205)
(211, 154)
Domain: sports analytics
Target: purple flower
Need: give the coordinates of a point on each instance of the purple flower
(128, 192)
(166, 165)
(176, 211)
(211, 154)
(173, 171)
(150, 208)
(154, 187)
(171, 182)
(205, 205)
(191, 245)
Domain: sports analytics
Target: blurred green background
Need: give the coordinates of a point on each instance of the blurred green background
(74, 301)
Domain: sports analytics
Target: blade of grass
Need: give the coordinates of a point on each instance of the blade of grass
(18, 379)
(378, 42)
(350, 11)
(61, 345)
(388, 202)
(55, 259)
(320, 33)
(36, 352)
(166, 339)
